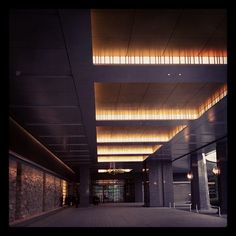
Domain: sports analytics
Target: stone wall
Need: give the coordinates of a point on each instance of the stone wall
(58, 191)
(53, 192)
(12, 190)
(49, 192)
(31, 190)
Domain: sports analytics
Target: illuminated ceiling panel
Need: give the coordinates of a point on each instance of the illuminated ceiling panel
(154, 36)
(136, 134)
(124, 149)
(156, 101)
(158, 60)
(137, 158)
(159, 36)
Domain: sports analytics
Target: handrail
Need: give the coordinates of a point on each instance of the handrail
(183, 205)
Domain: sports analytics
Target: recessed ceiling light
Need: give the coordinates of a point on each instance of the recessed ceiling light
(168, 74)
(180, 74)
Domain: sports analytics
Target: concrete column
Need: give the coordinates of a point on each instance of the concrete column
(168, 188)
(221, 153)
(159, 186)
(70, 188)
(145, 184)
(199, 183)
(155, 184)
(138, 186)
(84, 186)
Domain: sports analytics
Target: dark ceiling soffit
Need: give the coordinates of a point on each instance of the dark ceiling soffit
(159, 73)
(24, 144)
(18, 157)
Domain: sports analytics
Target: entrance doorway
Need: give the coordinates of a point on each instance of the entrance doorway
(109, 190)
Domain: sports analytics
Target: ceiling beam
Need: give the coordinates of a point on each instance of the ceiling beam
(158, 73)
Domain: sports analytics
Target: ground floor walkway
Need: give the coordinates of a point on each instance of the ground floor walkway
(127, 215)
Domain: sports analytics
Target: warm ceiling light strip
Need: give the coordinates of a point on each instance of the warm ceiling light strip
(176, 131)
(132, 138)
(114, 170)
(212, 100)
(162, 114)
(135, 149)
(145, 114)
(122, 158)
(156, 60)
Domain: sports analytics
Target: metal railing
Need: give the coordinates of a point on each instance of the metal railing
(189, 205)
(181, 205)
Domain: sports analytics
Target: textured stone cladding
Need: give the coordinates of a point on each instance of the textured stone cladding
(12, 190)
(52, 192)
(58, 192)
(31, 191)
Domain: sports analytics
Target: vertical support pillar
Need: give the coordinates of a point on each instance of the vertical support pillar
(168, 189)
(221, 154)
(145, 184)
(159, 186)
(155, 184)
(138, 186)
(84, 186)
(199, 183)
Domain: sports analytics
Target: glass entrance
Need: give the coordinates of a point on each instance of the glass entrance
(109, 190)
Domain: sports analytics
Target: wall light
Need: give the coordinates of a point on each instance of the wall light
(216, 170)
(190, 175)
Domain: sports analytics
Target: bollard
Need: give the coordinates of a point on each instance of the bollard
(174, 205)
(219, 211)
(190, 205)
(169, 204)
(197, 209)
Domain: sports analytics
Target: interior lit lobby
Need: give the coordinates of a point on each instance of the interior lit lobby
(118, 118)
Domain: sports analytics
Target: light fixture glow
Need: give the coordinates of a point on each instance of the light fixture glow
(134, 149)
(137, 158)
(114, 171)
(161, 114)
(129, 137)
(216, 170)
(156, 60)
(64, 191)
(212, 100)
(190, 175)
(146, 114)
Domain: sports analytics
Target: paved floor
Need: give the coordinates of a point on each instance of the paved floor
(127, 215)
